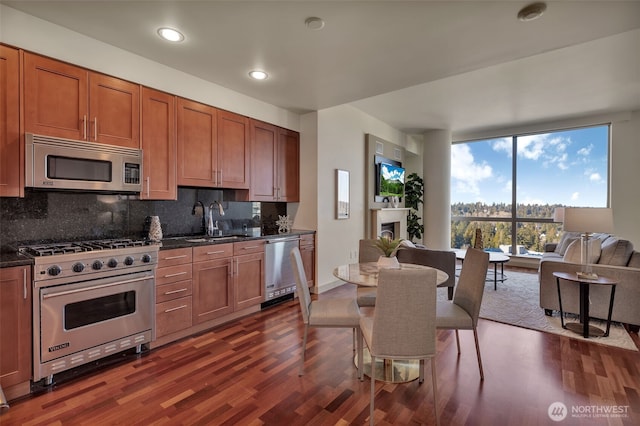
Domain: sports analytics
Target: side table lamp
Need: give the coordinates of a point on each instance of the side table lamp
(587, 220)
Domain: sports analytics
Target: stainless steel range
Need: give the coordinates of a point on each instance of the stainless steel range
(91, 299)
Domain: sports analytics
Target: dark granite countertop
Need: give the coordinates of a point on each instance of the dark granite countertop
(9, 256)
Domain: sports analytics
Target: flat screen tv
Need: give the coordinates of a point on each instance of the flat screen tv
(390, 180)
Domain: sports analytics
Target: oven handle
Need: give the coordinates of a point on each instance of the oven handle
(79, 290)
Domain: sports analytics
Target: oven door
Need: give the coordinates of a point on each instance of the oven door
(74, 317)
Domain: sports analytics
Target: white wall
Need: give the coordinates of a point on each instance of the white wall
(33, 34)
(341, 145)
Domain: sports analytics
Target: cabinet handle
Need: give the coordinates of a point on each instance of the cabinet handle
(220, 181)
(213, 177)
(174, 275)
(84, 127)
(250, 247)
(215, 252)
(148, 185)
(175, 291)
(24, 283)
(95, 129)
(175, 257)
(175, 309)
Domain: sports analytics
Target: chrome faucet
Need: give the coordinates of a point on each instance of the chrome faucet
(212, 226)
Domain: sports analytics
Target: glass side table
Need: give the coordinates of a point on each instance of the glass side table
(583, 326)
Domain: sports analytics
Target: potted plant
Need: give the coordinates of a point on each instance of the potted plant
(388, 247)
(414, 190)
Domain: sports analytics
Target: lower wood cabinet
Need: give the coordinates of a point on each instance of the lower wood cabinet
(15, 337)
(174, 290)
(308, 255)
(212, 289)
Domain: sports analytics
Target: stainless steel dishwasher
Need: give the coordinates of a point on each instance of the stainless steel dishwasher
(279, 278)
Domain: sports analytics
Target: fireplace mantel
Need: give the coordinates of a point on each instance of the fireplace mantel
(396, 216)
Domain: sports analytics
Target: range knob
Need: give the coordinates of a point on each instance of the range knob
(97, 265)
(78, 267)
(146, 258)
(112, 263)
(54, 270)
(128, 260)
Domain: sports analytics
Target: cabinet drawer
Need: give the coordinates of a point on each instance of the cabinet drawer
(247, 247)
(307, 240)
(173, 316)
(172, 274)
(174, 257)
(215, 251)
(173, 291)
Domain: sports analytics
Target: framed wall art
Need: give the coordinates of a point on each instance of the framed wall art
(342, 194)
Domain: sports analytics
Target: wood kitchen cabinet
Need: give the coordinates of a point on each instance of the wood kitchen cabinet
(213, 147)
(159, 146)
(15, 334)
(67, 101)
(308, 255)
(249, 271)
(274, 163)
(174, 288)
(212, 282)
(11, 150)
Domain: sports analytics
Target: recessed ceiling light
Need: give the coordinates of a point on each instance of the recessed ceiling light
(258, 75)
(314, 23)
(531, 12)
(170, 34)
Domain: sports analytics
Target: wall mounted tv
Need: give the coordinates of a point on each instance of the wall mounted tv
(389, 180)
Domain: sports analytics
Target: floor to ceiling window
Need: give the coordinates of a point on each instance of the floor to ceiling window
(509, 187)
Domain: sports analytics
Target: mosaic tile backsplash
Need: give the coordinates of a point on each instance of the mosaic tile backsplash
(66, 216)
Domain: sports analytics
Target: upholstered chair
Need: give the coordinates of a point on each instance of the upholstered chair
(367, 252)
(335, 313)
(403, 325)
(463, 312)
(445, 260)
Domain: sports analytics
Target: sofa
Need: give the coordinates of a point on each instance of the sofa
(611, 257)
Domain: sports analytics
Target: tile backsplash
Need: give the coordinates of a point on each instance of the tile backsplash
(66, 216)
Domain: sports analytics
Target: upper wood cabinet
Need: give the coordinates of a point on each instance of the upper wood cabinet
(213, 147)
(274, 163)
(66, 101)
(158, 145)
(11, 150)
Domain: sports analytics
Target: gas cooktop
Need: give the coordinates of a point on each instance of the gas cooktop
(52, 249)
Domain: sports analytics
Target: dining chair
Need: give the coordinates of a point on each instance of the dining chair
(403, 325)
(330, 312)
(462, 313)
(367, 252)
(445, 260)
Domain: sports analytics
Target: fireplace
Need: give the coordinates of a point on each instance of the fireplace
(385, 220)
(388, 230)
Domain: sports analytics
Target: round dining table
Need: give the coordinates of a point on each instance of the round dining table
(366, 275)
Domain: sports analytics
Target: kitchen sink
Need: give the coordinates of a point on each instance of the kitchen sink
(211, 239)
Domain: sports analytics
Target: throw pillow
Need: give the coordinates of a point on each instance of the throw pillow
(573, 253)
(616, 252)
(566, 239)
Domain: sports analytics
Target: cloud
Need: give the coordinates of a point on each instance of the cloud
(585, 151)
(575, 196)
(595, 177)
(548, 148)
(465, 172)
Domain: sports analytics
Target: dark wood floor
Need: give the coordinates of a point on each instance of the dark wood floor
(245, 373)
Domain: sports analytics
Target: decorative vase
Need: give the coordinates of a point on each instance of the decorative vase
(155, 229)
(385, 262)
(395, 202)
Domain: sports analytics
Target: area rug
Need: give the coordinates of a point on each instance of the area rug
(516, 302)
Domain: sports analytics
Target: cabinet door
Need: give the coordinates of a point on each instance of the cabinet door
(158, 146)
(55, 98)
(233, 151)
(114, 108)
(212, 290)
(288, 166)
(15, 317)
(249, 280)
(264, 145)
(11, 150)
(197, 142)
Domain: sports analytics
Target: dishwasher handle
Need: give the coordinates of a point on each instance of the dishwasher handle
(282, 240)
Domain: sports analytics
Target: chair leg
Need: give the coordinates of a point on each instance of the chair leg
(435, 389)
(475, 336)
(373, 389)
(458, 341)
(304, 348)
(421, 377)
(360, 355)
(354, 340)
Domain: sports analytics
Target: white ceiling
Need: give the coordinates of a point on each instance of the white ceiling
(417, 65)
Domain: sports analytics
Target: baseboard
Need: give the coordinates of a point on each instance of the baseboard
(326, 287)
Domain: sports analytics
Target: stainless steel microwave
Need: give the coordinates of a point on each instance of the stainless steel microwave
(55, 163)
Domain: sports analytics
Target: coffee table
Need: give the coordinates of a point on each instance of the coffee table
(496, 259)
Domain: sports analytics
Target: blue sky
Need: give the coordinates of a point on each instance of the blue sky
(567, 167)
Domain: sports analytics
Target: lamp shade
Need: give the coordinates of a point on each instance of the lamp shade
(588, 219)
(558, 214)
